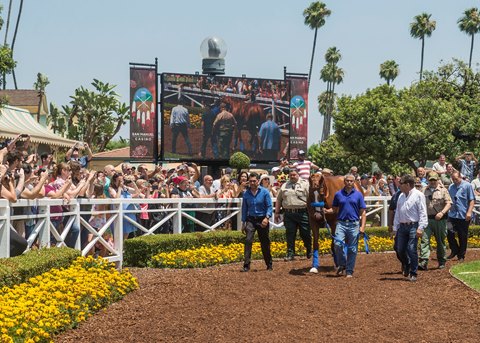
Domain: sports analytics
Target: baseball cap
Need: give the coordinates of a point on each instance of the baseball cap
(177, 180)
(433, 176)
(275, 169)
(364, 176)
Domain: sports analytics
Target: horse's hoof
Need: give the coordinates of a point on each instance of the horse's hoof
(314, 270)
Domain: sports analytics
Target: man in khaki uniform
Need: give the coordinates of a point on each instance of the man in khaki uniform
(438, 203)
(292, 198)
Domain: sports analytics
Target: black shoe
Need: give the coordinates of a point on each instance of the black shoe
(269, 267)
(422, 267)
(449, 257)
(340, 270)
(245, 269)
(309, 254)
(288, 258)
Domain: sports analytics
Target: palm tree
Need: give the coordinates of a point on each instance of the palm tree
(470, 24)
(389, 71)
(6, 35)
(15, 37)
(315, 16)
(40, 85)
(421, 27)
(332, 75)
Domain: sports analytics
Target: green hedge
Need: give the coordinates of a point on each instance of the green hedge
(15, 270)
(138, 251)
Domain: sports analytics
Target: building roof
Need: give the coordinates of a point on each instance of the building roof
(14, 121)
(26, 99)
(115, 153)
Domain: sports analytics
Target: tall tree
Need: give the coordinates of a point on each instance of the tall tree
(40, 85)
(422, 26)
(15, 38)
(6, 60)
(315, 15)
(470, 24)
(332, 75)
(95, 116)
(5, 39)
(389, 71)
(56, 120)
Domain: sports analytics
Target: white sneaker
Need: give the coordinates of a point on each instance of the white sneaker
(314, 270)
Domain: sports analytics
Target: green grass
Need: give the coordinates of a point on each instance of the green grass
(468, 273)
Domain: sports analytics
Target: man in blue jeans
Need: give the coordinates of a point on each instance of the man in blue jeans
(350, 207)
(409, 223)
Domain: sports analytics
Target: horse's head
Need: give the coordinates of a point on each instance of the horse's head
(315, 181)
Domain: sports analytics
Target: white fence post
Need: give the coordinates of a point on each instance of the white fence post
(4, 228)
(385, 212)
(177, 219)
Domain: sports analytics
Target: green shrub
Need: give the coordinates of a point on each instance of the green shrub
(139, 251)
(239, 161)
(15, 270)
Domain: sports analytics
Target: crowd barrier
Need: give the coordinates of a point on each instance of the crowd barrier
(174, 211)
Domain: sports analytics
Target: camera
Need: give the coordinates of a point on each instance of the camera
(3, 144)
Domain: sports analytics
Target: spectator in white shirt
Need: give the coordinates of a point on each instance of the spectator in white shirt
(440, 167)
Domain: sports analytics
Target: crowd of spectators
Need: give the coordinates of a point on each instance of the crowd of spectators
(29, 176)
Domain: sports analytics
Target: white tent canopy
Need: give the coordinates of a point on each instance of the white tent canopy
(14, 121)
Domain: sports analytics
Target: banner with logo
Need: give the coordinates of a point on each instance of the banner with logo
(143, 113)
(298, 114)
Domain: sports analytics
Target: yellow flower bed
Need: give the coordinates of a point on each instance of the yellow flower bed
(59, 299)
(209, 255)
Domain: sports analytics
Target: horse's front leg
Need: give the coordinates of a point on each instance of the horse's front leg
(315, 259)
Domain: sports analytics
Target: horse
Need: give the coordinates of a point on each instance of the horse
(323, 189)
(248, 115)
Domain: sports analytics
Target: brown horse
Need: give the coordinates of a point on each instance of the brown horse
(249, 116)
(323, 189)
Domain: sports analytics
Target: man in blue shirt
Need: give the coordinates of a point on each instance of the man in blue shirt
(270, 139)
(256, 212)
(73, 154)
(350, 207)
(179, 123)
(468, 163)
(459, 215)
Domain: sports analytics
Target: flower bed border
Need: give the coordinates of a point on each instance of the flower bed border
(139, 251)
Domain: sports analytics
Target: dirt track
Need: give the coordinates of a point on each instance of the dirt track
(290, 305)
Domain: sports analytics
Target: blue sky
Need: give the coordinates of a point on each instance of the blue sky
(73, 42)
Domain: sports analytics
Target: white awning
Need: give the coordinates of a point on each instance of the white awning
(14, 120)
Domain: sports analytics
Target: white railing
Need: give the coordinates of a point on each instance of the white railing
(175, 212)
(46, 234)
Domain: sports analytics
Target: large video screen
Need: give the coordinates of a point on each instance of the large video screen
(210, 118)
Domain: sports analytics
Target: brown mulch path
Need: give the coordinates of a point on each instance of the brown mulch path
(288, 304)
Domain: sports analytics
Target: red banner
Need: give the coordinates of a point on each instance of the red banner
(143, 113)
(298, 115)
